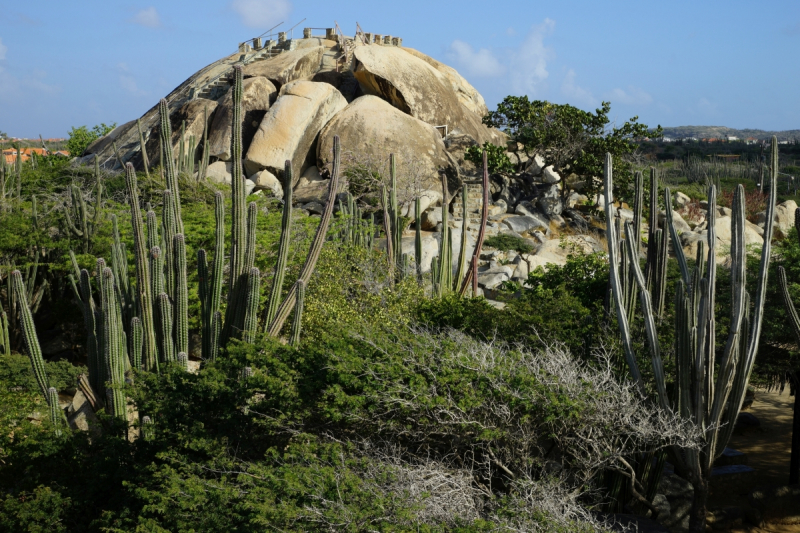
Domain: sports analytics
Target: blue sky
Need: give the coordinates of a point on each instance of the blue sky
(672, 63)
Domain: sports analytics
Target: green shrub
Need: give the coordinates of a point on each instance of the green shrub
(506, 242)
(81, 137)
(496, 159)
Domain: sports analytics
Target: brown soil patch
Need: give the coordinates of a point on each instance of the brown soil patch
(768, 450)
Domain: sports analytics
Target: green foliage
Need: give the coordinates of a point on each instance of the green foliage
(15, 371)
(506, 242)
(571, 139)
(584, 275)
(81, 137)
(496, 159)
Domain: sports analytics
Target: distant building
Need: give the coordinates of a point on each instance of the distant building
(732, 138)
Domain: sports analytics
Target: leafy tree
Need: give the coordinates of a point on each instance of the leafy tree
(496, 158)
(80, 138)
(572, 140)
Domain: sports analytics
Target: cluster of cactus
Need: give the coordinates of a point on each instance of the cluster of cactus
(35, 352)
(471, 276)
(186, 150)
(83, 220)
(392, 226)
(355, 230)
(706, 392)
(203, 168)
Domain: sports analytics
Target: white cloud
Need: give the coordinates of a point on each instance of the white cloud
(479, 64)
(577, 95)
(262, 13)
(633, 96)
(3, 50)
(127, 81)
(529, 61)
(147, 17)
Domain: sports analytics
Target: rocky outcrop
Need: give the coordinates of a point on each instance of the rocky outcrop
(371, 129)
(193, 114)
(466, 93)
(257, 95)
(416, 88)
(300, 64)
(784, 218)
(290, 127)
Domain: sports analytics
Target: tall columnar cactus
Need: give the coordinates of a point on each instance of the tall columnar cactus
(394, 215)
(168, 164)
(472, 274)
(237, 281)
(462, 250)
(56, 414)
(144, 294)
(29, 333)
(83, 220)
(181, 296)
(316, 245)
(143, 148)
(283, 248)
(137, 342)
(418, 238)
(113, 337)
(201, 172)
(168, 231)
(707, 392)
(5, 338)
(183, 360)
(211, 281)
(167, 339)
(251, 305)
(298, 313)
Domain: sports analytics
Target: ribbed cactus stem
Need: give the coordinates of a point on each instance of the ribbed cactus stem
(283, 248)
(183, 360)
(168, 165)
(418, 238)
(316, 245)
(462, 250)
(202, 295)
(215, 283)
(394, 213)
(5, 338)
(29, 333)
(181, 296)
(137, 341)
(143, 148)
(165, 314)
(114, 342)
(472, 275)
(56, 414)
(169, 230)
(216, 332)
(298, 313)
(251, 309)
(144, 296)
(201, 172)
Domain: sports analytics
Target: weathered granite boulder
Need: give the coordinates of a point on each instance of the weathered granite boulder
(466, 93)
(290, 127)
(371, 129)
(222, 172)
(311, 187)
(415, 87)
(784, 217)
(300, 64)
(257, 95)
(266, 180)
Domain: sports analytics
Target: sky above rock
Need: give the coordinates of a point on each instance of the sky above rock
(673, 63)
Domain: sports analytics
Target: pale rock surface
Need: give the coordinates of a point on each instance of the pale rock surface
(536, 165)
(784, 217)
(372, 129)
(290, 127)
(550, 200)
(415, 87)
(257, 95)
(555, 251)
(550, 176)
(429, 198)
(523, 223)
(266, 181)
(681, 199)
(311, 186)
(289, 66)
(221, 172)
(681, 226)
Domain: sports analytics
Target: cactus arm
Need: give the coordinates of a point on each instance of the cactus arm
(165, 314)
(143, 148)
(387, 228)
(637, 211)
(112, 336)
(251, 309)
(791, 311)
(462, 250)
(181, 296)
(202, 293)
(472, 275)
(283, 247)
(215, 288)
(650, 324)
(679, 255)
(298, 313)
(168, 164)
(137, 342)
(56, 415)
(144, 296)
(29, 333)
(418, 238)
(316, 245)
(616, 284)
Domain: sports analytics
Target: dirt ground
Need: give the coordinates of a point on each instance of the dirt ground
(768, 450)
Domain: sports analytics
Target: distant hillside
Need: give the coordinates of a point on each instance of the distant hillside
(705, 132)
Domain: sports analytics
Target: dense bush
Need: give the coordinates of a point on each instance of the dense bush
(505, 242)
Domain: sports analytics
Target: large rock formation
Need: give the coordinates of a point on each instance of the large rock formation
(370, 129)
(192, 115)
(257, 95)
(300, 64)
(290, 128)
(415, 87)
